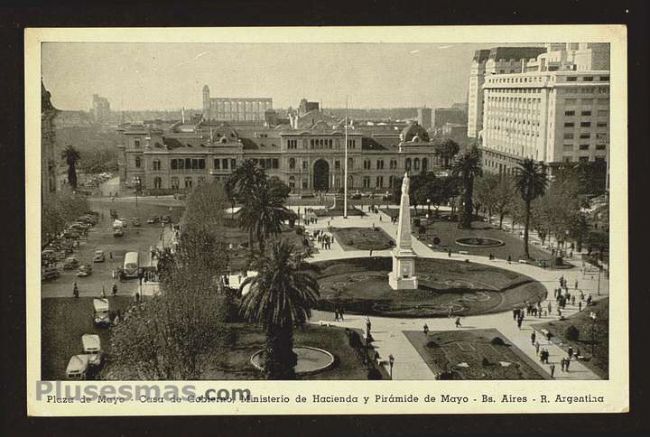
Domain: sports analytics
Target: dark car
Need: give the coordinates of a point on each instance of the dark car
(153, 220)
(166, 219)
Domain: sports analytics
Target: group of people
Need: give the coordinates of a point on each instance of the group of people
(325, 240)
(75, 290)
(338, 313)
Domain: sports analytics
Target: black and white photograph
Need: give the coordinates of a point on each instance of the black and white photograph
(420, 213)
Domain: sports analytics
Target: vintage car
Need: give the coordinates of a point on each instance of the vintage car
(118, 232)
(99, 256)
(153, 220)
(136, 222)
(50, 273)
(101, 313)
(78, 367)
(84, 270)
(70, 263)
(92, 346)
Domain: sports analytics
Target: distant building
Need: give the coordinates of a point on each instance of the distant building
(48, 142)
(455, 115)
(498, 60)
(234, 108)
(424, 117)
(456, 132)
(305, 106)
(101, 109)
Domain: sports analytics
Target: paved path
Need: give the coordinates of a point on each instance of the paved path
(388, 331)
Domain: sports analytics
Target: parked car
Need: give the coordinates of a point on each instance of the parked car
(99, 256)
(84, 270)
(166, 219)
(153, 220)
(136, 222)
(356, 196)
(70, 263)
(92, 347)
(78, 367)
(50, 273)
(118, 232)
(101, 314)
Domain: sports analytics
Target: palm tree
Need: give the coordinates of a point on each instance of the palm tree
(263, 214)
(281, 296)
(242, 186)
(446, 150)
(531, 181)
(71, 156)
(467, 167)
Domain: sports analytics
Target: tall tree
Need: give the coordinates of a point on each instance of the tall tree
(467, 167)
(71, 156)
(531, 181)
(242, 185)
(280, 297)
(446, 149)
(264, 212)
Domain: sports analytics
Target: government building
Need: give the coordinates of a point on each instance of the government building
(306, 151)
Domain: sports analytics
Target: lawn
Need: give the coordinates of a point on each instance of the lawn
(482, 351)
(64, 321)
(599, 361)
(445, 287)
(233, 363)
(448, 232)
(363, 238)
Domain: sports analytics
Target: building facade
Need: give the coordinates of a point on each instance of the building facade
(455, 115)
(498, 60)
(307, 160)
(235, 109)
(550, 116)
(48, 143)
(424, 117)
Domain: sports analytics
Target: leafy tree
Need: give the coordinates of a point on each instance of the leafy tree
(446, 149)
(204, 208)
(531, 181)
(71, 156)
(173, 335)
(485, 192)
(280, 297)
(504, 198)
(467, 167)
(99, 161)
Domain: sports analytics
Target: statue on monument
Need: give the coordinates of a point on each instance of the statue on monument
(402, 277)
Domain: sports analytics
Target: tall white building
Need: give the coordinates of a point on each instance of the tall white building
(498, 60)
(550, 116)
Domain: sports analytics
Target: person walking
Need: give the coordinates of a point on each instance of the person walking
(336, 313)
(110, 255)
(552, 368)
(341, 313)
(537, 348)
(562, 362)
(75, 289)
(458, 322)
(567, 363)
(449, 253)
(532, 337)
(371, 252)
(509, 259)
(425, 329)
(570, 352)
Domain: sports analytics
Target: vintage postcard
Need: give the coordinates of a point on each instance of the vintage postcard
(353, 220)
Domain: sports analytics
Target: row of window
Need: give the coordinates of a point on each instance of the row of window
(572, 101)
(568, 147)
(585, 124)
(320, 143)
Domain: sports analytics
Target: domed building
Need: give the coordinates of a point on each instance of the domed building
(414, 133)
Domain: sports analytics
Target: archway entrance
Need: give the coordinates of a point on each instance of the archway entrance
(321, 175)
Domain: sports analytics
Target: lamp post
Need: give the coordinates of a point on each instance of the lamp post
(138, 186)
(391, 361)
(593, 317)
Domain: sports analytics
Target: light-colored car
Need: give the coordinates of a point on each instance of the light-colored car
(84, 270)
(101, 314)
(92, 346)
(50, 273)
(99, 256)
(78, 367)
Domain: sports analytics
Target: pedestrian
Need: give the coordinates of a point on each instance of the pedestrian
(514, 314)
(509, 259)
(371, 252)
(336, 313)
(519, 321)
(552, 367)
(562, 364)
(110, 255)
(457, 322)
(570, 352)
(137, 297)
(341, 313)
(580, 306)
(550, 307)
(537, 348)
(532, 338)
(576, 284)
(449, 253)
(425, 329)
(573, 300)
(75, 289)
(567, 363)
(103, 294)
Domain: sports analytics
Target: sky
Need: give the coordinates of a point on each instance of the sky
(169, 76)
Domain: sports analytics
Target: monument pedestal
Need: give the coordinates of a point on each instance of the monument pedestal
(402, 277)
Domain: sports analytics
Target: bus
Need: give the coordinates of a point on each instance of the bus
(131, 265)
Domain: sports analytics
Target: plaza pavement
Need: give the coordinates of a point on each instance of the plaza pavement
(388, 331)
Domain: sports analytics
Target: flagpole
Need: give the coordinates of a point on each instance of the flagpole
(345, 176)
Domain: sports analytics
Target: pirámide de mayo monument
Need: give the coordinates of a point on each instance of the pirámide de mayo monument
(403, 275)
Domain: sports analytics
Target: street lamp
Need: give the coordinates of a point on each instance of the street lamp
(391, 361)
(138, 186)
(593, 317)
